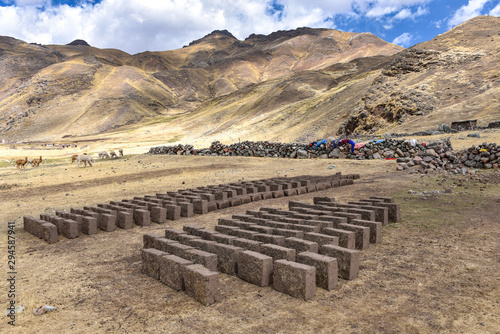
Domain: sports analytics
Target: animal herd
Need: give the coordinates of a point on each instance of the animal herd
(79, 158)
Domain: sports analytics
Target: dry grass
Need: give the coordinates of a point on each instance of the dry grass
(435, 272)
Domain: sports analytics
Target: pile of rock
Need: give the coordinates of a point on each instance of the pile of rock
(428, 161)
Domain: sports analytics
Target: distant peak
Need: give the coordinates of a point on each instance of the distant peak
(79, 42)
(224, 33)
(288, 33)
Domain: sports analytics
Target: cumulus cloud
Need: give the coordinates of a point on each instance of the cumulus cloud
(495, 11)
(140, 25)
(466, 12)
(403, 40)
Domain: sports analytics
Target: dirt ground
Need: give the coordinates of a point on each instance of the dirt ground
(437, 271)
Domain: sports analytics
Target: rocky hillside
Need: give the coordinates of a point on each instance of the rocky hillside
(293, 85)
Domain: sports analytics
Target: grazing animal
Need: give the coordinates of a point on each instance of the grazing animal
(85, 159)
(120, 151)
(36, 162)
(103, 155)
(73, 158)
(20, 163)
(113, 154)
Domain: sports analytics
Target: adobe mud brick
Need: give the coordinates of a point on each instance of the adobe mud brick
(151, 262)
(255, 268)
(186, 210)
(288, 233)
(256, 196)
(184, 238)
(171, 273)
(227, 257)
(162, 243)
(125, 219)
(49, 233)
(289, 220)
(173, 212)
(290, 192)
(334, 219)
(261, 229)
(223, 238)
(76, 217)
(295, 279)
(204, 245)
(172, 233)
(69, 228)
(276, 224)
(223, 204)
(381, 213)
(269, 209)
(278, 252)
(200, 206)
(89, 225)
(347, 239)
(275, 187)
(319, 199)
(311, 188)
(199, 256)
(306, 228)
(349, 216)
(267, 195)
(347, 260)
(301, 190)
(394, 209)
(247, 234)
(247, 244)
(106, 222)
(322, 239)
(225, 229)
(320, 223)
(201, 284)
(178, 249)
(158, 214)
(384, 199)
(269, 239)
(142, 217)
(246, 199)
(326, 269)
(375, 229)
(205, 234)
(234, 201)
(149, 239)
(362, 234)
(301, 245)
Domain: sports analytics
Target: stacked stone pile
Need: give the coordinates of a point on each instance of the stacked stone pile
(294, 250)
(173, 205)
(389, 148)
(429, 160)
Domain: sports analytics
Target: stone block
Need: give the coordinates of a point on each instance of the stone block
(151, 262)
(227, 257)
(278, 252)
(295, 279)
(255, 268)
(199, 256)
(201, 284)
(301, 245)
(171, 271)
(347, 260)
(347, 239)
(326, 268)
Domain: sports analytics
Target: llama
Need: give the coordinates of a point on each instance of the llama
(113, 154)
(120, 151)
(103, 155)
(36, 162)
(73, 158)
(85, 159)
(20, 163)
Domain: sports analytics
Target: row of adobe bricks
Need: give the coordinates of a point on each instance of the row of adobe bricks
(295, 250)
(173, 205)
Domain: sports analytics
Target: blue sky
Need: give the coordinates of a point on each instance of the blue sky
(155, 25)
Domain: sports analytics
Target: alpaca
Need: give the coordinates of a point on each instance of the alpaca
(73, 158)
(36, 162)
(103, 155)
(20, 162)
(120, 151)
(85, 159)
(113, 154)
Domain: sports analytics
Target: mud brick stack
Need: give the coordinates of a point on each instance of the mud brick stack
(174, 205)
(295, 250)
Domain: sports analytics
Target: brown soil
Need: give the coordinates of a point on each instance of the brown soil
(437, 271)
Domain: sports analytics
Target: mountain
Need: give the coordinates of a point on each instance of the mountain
(300, 84)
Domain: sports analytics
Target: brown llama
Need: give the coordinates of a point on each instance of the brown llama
(36, 162)
(20, 163)
(74, 156)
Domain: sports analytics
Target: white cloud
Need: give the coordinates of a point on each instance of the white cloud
(495, 11)
(466, 12)
(403, 40)
(140, 25)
